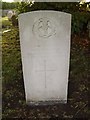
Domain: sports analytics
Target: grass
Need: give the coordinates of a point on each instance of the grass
(14, 105)
(5, 21)
(6, 24)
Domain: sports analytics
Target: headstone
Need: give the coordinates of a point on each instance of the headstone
(10, 14)
(45, 50)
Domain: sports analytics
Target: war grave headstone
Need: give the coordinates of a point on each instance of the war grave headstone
(45, 50)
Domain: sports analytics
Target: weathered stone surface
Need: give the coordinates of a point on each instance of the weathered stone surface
(45, 49)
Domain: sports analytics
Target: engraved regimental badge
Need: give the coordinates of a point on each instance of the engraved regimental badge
(44, 28)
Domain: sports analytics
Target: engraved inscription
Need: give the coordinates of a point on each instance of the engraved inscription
(44, 28)
(45, 70)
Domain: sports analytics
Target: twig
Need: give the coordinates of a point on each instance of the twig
(80, 109)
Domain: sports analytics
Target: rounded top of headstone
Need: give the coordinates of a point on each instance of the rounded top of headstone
(44, 11)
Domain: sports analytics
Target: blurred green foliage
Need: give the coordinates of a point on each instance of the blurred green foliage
(8, 5)
(5, 22)
(80, 22)
(59, 6)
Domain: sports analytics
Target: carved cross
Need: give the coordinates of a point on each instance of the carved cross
(45, 70)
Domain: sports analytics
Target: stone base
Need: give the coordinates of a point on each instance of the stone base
(38, 103)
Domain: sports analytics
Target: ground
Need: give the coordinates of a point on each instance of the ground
(13, 95)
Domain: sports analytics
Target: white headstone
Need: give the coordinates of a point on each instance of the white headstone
(10, 14)
(45, 50)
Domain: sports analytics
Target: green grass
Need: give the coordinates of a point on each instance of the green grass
(13, 89)
(5, 23)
